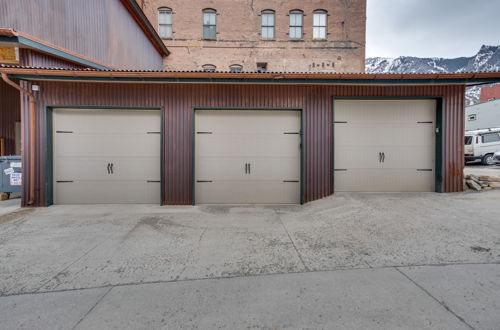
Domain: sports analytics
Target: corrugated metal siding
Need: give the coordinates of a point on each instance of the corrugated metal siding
(101, 30)
(9, 114)
(28, 57)
(317, 102)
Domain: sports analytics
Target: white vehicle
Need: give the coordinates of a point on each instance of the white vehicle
(482, 145)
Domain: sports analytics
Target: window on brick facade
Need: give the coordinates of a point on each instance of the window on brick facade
(319, 24)
(165, 22)
(209, 24)
(235, 68)
(268, 24)
(261, 67)
(296, 24)
(209, 68)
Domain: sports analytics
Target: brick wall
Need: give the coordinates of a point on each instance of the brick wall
(239, 42)
(489, 93)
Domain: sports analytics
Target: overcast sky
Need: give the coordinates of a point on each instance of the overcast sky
(431, 28)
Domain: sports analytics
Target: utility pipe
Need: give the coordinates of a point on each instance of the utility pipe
(31, 195)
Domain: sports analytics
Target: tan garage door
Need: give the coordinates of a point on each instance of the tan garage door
(384, 145)
(247, 157)
(106, 156)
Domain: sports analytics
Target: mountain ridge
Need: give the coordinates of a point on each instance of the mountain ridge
(487, 59)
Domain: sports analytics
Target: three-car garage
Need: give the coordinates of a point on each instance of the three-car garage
(241, 155)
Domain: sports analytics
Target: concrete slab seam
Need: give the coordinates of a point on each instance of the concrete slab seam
(92, 308)
(72, 263)
(291, 240)
(435, 299)
(239, 276)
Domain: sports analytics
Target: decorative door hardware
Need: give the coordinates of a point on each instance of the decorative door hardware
(110, 168)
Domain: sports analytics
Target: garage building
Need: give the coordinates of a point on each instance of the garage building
(239, 138)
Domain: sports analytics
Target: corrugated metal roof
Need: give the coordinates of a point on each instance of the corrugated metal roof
(469, 78)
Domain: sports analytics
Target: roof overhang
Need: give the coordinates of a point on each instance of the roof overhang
(13, 38)
(141, 19)
(468, 79)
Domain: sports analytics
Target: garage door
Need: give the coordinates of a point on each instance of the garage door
(106, 156)
(384, 145)
(247, 157)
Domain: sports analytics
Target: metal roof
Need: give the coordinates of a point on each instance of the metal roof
(43, 73)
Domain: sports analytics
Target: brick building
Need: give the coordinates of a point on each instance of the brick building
(257, 35)
(490, 93)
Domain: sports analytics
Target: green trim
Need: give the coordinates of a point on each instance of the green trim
(389, 82)
(49, 154)
(53, 51)
(49, 148)
(193, 144)
(439, 164)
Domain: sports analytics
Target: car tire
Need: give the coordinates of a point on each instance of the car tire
(488, 160)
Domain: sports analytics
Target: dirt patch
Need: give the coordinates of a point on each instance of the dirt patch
(16, 215)
(479, 249)
(159, 224)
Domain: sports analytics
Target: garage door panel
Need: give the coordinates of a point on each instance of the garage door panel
(404, 131)
(107, 192)
(85, 141)
(105, 145)
(374, 134)
(228, 168)
(395, 157)
(90, 168)
(380, 180)
(247, 145)
(91, 121)
(245, 122)
(247, 192)
(269, 141)
(383, 111)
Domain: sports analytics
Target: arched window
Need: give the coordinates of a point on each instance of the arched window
(296, 24)
(165, 22)
(320, 24)
(267, 24)
(235, 68)
(209, 23)
(209, 68)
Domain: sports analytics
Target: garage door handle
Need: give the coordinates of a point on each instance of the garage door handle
(108, 168)
(246, 168)
(112, 168)
(249, 168)
(383, 160)
(380, 157)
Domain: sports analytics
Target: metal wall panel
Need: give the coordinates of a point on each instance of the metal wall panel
(317, 102)
(101, 30)
(9, 115)
(29, 57)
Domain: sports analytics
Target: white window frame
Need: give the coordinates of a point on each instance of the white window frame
(167, 13)
(209, 24)
(295, 25)
(266, 26)
(209, 68)
(320, 24)
(235, 68)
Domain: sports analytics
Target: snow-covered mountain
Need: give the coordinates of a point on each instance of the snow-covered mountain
(487, 59)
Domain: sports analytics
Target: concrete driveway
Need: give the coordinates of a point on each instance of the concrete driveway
(378, 261)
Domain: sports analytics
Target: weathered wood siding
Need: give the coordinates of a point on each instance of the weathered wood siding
(101, 30)
(317, 102)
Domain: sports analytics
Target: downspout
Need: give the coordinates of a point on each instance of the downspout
(31, 195)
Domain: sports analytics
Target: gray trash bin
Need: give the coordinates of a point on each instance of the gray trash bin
(10, 174)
